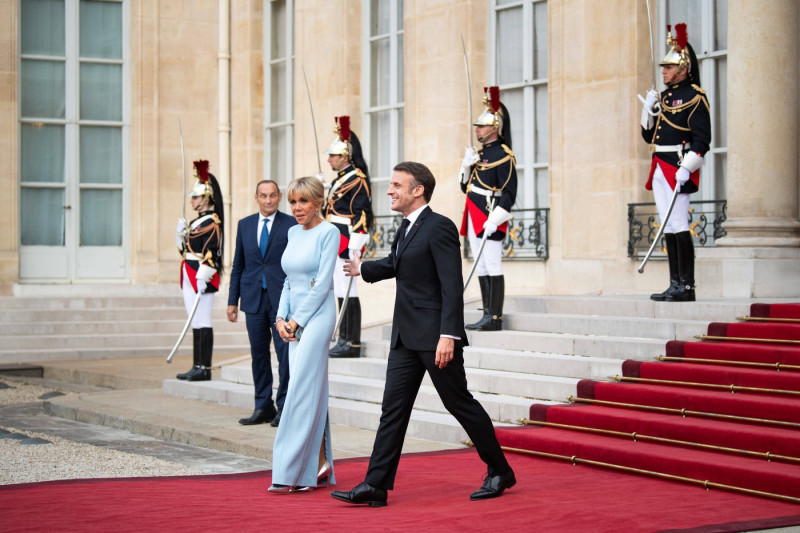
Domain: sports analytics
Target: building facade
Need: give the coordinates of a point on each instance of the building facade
(98, 97)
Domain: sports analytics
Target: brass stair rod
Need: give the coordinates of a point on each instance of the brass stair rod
(705, 483)
(685, 412)
(746, 339)
(732, 388)
(777, 366)
(768, 319)
(769, 456)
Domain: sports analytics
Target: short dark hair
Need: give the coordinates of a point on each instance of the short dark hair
(262, 182)
(422, 176)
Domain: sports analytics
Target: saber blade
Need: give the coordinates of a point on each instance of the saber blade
(475, 262)
(313, 122)
(183, 167)
(185, 327)
(469, 86)
(660, 230)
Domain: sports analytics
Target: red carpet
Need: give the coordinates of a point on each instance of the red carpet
(431, 494)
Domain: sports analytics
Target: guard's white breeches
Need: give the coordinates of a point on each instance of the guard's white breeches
(662, 192)
(490, 262)
(202, 317)
(340, 281)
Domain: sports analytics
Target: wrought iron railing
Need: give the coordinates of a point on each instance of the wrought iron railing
(526, 238)
(706, 220)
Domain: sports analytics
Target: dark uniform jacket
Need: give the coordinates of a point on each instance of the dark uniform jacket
(349, 197)
(495, 172)
(684, 120)
(203, 241)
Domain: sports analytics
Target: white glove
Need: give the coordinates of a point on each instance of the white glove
(470, 157)
(651, 99)
(358, 241)
(489, 228)
(180, 233)
(320, 176)
(205, 273)
(681, 177)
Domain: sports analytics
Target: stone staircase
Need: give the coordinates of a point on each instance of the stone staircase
(549, 344)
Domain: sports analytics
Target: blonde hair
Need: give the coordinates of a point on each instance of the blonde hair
(308, 187)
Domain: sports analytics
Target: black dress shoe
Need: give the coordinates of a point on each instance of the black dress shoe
(276, 420)
(259, 416)
(493, 486)
(362, 494)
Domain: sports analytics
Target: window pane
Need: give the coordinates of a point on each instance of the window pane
(279, 106)
(542, 198)
(42, 27)
(101, 92)
(720, 175)
(513, 100)
(380, 200)
(720, 104)
(401, 147)
(101, 155)
(42, 153)
(278, 29)
(721, 25)
(42, 88)
(400, 68)
(101, 217)
(42, 214)
(101, 30)
(509, 46)
(540, 112)
(278, 148)
(399, 15)
(380, 17)
(379, 54)
(540, 40)
(380, 149)
(681, 11)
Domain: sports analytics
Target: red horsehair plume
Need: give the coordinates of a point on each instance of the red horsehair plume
(201, 167)
(494, 98)
(343, 126)
(681, 36)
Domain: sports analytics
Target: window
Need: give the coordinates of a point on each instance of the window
(518, 65)
(278, 93)
(383, 83)
(707, 26)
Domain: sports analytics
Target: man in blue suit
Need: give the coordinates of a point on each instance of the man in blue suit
(257, 278)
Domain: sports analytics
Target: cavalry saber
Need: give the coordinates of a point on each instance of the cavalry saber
(469, 85)
(475, 262)
(661, 229)
(657, 107)
(185, 327)
(342, 310)
(313, 122)
(183, 167)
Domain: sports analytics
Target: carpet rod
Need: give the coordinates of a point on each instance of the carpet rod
(777, 366)
(685, 412)
(708, 485)
(767, 319)
(733, 388)
(635, 436)
(745, 339)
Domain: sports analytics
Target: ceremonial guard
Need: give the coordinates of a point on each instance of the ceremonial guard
(200, 243)
(677, 124)
(349, 207)
(489, 178)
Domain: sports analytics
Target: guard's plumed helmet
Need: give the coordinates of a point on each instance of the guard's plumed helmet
(678, 53)
(341, 145)
(492, 114)
(202, 186)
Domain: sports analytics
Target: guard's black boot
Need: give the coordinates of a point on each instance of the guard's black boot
(685, 292)
(672, 258)
(195, 354)
(341, 342)
(485, 284)
(496, 298)
(351, 327)
(203, 372)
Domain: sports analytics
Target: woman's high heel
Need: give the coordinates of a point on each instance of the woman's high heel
(279, 489)
(324, 472)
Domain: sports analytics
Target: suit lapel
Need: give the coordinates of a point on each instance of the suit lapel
(413, 230)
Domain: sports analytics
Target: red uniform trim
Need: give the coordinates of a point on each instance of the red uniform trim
(192, 274)
(479, 219)
(669, 172)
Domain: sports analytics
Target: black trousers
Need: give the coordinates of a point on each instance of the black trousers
(404, 374)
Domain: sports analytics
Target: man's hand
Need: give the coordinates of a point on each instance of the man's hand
(489, 228)
(233, 313)
(651, 99)
(681, 177)
(444, 351)
(470, 157)
(352, 266)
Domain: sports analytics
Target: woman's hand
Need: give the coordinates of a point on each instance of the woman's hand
(287, 330)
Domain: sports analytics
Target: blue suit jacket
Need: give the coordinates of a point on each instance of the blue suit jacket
(249, 266)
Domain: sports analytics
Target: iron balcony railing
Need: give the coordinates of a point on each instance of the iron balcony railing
(526, 238)
(706, 220)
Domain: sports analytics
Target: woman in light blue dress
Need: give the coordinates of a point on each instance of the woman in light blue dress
(301, 455)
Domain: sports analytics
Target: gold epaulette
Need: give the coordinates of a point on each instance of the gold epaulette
(508, 150)
(215, 218)
(360, 174)
(698, 89)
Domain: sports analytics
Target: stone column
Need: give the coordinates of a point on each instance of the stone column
(763, 134)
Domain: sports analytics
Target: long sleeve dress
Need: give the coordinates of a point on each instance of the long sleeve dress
(307, 296)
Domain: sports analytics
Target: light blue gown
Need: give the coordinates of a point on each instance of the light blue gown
(307, 296)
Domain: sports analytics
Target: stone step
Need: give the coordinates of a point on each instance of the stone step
(169, 326)
(112, 342)
(99, 315)
(82, 353)
(88, 302)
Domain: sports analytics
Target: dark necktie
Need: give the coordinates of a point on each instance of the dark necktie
(262, 246)
(401, 234)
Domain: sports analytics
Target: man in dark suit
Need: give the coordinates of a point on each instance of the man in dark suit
(257, 278)
(427, 335)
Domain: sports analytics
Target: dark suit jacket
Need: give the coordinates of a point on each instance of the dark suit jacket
(249, 266)
(430, 293)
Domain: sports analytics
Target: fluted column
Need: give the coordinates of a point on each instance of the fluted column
(763, 134)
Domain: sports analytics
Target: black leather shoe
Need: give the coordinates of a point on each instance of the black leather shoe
(362, 494)
(259, 416)
(493, 486)
(276, 420)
